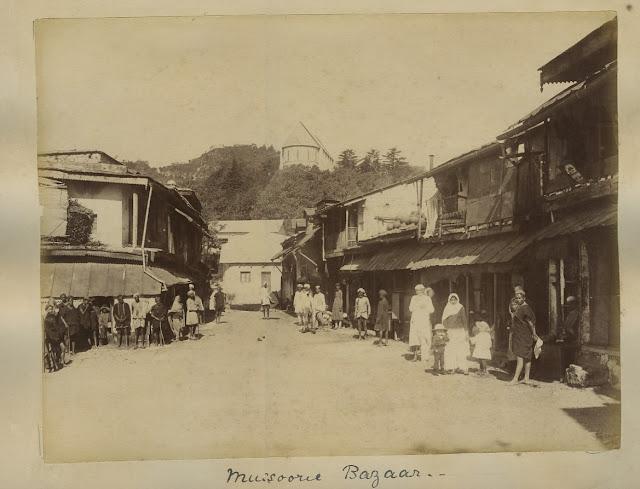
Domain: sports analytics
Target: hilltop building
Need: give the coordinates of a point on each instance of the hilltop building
(303, 148)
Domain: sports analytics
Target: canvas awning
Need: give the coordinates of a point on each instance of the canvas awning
(88, 279)
(477, 251)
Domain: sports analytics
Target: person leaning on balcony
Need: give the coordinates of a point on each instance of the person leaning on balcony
(421, 308)
(524, 335)
(454, 319)
(176, 317)
(361, 312)
(122, 318)
(192, 314)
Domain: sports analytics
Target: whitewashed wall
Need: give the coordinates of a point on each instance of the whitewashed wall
(248, 293)
(107, 203)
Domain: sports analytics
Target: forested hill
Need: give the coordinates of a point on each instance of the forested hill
(243, 181)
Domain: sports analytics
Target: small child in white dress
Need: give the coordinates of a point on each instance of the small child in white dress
(482, 342)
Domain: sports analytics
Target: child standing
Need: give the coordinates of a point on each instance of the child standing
(438, 344)
(482, 342)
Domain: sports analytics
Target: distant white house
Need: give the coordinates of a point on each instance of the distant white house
(303, 148)
(245, 258)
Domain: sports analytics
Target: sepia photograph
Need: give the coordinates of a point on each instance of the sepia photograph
(328, 235)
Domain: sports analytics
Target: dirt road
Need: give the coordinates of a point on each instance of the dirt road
(293, 394)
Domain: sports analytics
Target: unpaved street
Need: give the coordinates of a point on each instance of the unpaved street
(293, 394)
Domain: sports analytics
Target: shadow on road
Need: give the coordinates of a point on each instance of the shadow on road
(602, 421)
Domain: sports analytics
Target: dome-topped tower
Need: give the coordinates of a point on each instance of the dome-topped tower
(303, 148)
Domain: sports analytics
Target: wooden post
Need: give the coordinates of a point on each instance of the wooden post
(466, 293)
(562, 287)
(346, 227)
(552, 284)
(420, 198)
(134, 223)
(585, 310)
(494, 319)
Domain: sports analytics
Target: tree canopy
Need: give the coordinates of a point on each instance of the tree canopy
(243, 181)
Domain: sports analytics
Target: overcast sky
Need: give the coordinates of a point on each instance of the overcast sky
(166, 89)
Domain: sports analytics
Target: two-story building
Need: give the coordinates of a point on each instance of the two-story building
(451, 229)
(141, 236)
(537, 208)
(246, 252)
(568, 150)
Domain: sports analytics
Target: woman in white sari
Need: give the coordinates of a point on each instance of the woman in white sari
(421, 309)
(454, 318)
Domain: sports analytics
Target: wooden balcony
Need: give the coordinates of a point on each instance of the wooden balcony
(451, 218)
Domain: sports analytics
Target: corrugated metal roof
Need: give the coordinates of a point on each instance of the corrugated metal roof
(591, 217)
(396, 257)
(251, 248)
(490, 249)
(89, 279)
(355, 264)
(245, 226)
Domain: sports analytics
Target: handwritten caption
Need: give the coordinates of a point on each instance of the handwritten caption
(349, 472)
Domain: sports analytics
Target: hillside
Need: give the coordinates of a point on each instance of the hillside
(243, 182)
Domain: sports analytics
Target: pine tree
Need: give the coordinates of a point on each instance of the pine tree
(394, 162)
(370, 162)
(347, 159)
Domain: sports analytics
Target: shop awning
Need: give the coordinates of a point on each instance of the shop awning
(88, 279)
(586, 218)
(397, 257)
(354, 264)
(487, 250)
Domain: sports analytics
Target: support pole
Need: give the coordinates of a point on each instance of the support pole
(585, 309)
(134, 221)
(495, 298)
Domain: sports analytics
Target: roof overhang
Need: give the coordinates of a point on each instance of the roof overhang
(89, 177)
(587, 56)
(563, 99)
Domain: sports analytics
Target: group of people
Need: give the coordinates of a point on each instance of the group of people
(449, 343)
(90, 325)
(452, 343)
(311, 308)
